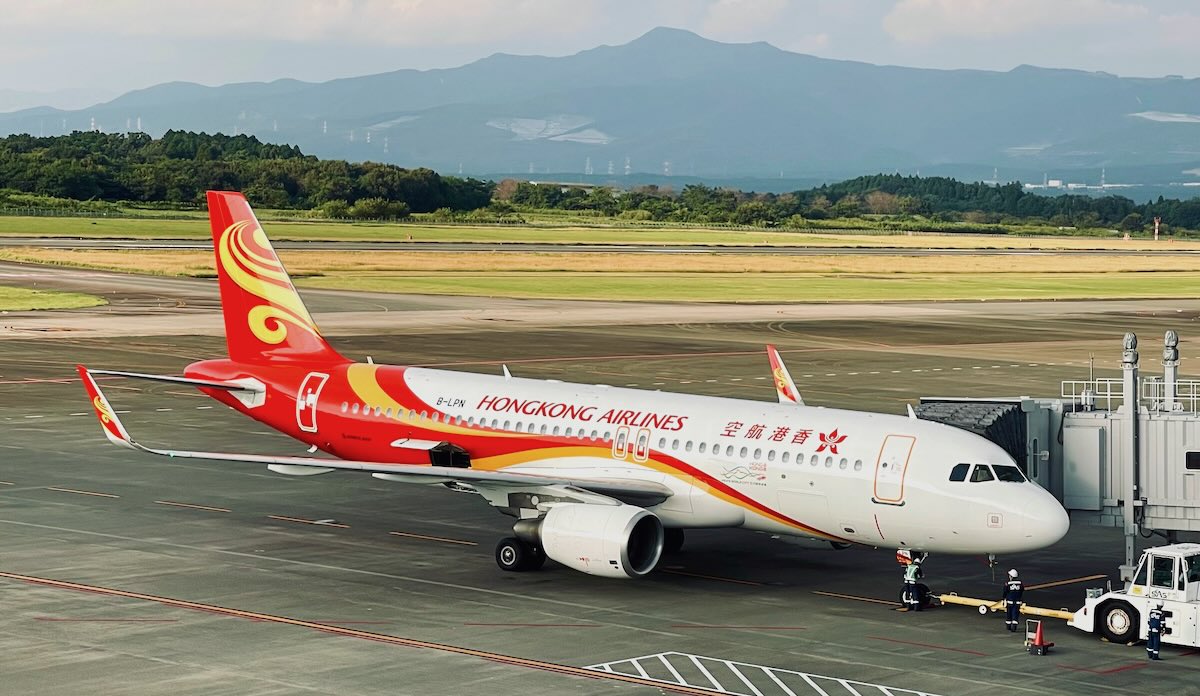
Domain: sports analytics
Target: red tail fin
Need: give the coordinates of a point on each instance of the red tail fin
(264, 317)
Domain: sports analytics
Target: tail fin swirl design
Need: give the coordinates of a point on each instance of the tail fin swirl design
(265, 318)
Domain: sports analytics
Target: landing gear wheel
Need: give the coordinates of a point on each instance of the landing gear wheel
(672, 540)
(1119, 622)
(515, 556)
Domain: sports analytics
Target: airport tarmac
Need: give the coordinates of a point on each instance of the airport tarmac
(129, 574)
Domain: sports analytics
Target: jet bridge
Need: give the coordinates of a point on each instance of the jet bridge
(1118, 452)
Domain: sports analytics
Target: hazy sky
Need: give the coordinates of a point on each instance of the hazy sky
(117, 45)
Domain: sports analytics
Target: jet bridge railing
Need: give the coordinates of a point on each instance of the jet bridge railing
(1108, 392)
(1186, 397)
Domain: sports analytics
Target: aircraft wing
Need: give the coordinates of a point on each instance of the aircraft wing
(642, 493)
(785, 388)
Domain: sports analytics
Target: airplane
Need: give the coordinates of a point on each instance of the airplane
(597, 478)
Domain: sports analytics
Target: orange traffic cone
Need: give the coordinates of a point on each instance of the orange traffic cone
(1039, 646)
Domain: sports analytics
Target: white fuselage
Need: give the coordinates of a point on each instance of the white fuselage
(868, 478)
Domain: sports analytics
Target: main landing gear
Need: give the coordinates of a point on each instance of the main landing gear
(515, 555)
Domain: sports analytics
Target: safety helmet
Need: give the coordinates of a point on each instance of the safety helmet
(1012, 573)
(1158, 605)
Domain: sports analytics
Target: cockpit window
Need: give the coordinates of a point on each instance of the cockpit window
(982, 472)
(959, 472)
(1009, 473)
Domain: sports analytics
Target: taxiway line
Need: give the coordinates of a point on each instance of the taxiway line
(353, 633)
(856, 598)
(928, 645)
(315, 523)
(1070, 581)
(192, 506)
(76, 490)
(712, 577)
(427, 537)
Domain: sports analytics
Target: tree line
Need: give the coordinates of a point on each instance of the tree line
(180, 166)
(899, 197)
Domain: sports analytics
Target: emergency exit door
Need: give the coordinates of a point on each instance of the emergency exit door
(306, 401)
(890, 468)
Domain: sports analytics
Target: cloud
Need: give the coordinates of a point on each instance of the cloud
(921, 21)
(741, 19)
(1180, 30)
(387, 22)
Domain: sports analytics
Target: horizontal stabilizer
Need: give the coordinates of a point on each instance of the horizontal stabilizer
(249, 385)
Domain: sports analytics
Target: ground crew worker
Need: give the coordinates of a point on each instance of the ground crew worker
(912, 593)
(1013, 590)
(1154, 629)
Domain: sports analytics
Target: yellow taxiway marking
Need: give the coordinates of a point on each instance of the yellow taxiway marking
(856, 598)
(73, 490)
(712, 577)
(301, 520)
(426, 537)
(356, 633)
(192, 506)
(1071, 581)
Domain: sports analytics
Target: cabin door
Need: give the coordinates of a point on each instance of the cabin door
(890, 468)
(306, 401)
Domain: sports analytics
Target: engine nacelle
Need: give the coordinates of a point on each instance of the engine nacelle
(613, 541)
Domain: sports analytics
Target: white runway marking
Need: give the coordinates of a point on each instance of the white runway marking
(741, 678)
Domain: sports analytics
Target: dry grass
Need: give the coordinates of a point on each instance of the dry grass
(336, 263)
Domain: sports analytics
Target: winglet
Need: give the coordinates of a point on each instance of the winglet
(785, 388)
(109, 423)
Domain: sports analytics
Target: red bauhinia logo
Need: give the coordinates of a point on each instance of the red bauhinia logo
(830, 441)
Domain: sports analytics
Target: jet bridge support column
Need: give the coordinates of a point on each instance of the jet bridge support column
(1129, 369)
(1170, 370)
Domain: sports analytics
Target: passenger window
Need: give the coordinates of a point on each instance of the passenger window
(1163, 573)
(844, 463)
(345, 407)
(387, 412)
(828, 462)
(815, 459)
(662, 443)
(595, 434)
(567, 432)
(729, 451)
(758, 453)
(981, 473)
(744, 451)
(543, 428)
(858, 465)
(555, 431)
(687, 446)
(784, 457)
(354, 409)
(378, 410)
(959, 472)
(771, 455)
(674, 444)
(1009, 473)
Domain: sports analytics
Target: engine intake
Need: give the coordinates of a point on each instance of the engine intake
(613, 541)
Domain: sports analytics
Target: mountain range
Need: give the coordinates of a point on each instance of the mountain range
(674, 102)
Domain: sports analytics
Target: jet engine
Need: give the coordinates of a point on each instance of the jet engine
(612, 541)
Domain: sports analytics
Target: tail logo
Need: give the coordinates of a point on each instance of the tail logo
(781, 383)
(247, 258)
(102, 411)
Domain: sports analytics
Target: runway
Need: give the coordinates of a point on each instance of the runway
(139, 575)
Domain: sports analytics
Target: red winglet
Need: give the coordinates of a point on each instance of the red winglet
(109, 423)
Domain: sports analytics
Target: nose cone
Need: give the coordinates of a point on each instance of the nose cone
(1046, 522)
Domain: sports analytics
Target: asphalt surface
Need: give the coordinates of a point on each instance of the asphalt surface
(211, 578)
(538, 248)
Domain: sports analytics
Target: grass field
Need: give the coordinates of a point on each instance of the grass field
(21, 299)
(198, 229)
(693, 277)
(338, 263)
(776, 287)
